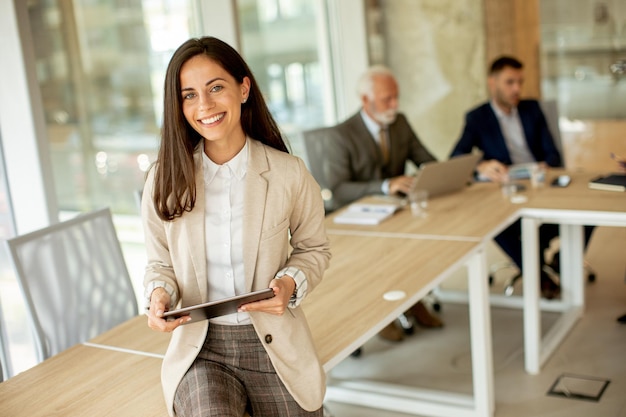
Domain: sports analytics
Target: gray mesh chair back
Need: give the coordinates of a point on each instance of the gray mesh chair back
(315, 148)
(74, 280)
(551, 112)
(5, 358)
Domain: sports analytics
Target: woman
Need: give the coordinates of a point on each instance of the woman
(220, 208)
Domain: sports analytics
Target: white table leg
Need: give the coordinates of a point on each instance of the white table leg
(572, 264)
(537, 349)
(530, 285)
(480, 335)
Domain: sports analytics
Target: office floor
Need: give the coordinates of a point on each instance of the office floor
(440, 359)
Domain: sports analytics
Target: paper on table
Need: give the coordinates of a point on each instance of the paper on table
(362, 213)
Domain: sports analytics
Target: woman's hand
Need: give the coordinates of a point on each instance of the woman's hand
(283, 289)
(159, 301)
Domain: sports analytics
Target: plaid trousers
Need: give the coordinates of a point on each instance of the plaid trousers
(231, 375)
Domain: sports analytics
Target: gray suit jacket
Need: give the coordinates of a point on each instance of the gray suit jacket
(353, 165)
(283, 207)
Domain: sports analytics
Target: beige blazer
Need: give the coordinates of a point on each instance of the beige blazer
(283, 213)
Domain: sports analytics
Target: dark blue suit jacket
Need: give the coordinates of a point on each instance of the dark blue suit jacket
(482, 131)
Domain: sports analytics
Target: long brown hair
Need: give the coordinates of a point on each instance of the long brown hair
(174, 178)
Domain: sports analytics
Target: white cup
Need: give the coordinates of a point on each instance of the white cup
(418, 201)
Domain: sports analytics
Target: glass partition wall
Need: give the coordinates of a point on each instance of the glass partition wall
(583, 57)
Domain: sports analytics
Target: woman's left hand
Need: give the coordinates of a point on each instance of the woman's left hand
(283, 289)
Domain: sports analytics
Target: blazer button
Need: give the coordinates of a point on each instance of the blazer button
(268, 338)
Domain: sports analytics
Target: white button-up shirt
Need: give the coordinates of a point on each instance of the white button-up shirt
(224, 191)
(514, 138)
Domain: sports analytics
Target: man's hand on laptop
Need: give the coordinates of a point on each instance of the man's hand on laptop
(493, 170)
(400, 185)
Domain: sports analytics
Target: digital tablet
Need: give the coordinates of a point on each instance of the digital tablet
(219, 307)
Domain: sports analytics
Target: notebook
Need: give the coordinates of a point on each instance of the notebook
(446, 176)
(611, 182)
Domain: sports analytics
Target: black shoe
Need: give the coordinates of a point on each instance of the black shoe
(622, 319)
(424, 317)
(549, 288)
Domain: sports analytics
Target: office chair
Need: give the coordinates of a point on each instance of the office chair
(5, 358)
(74, 281)
(137, 196)
(315, 148)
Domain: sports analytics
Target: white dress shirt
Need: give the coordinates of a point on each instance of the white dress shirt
(224, 190)
(514, 138)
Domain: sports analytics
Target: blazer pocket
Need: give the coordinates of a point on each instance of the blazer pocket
(270, 233)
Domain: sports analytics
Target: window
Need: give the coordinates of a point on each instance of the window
(100, 67)
(286, 46)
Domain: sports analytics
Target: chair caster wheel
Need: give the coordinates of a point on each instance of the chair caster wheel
(408, 330)
(508, 290)
(356, 353)
(591, 277)
(437, 307)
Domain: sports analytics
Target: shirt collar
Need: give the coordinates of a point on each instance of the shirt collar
(500, 113)
(238, 165)
(372, 126)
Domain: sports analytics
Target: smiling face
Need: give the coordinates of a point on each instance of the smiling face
(211, 102)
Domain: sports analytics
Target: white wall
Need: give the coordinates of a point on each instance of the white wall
(437, 50)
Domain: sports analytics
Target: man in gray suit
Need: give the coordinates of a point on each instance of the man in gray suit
(367, 154)
(356, 163)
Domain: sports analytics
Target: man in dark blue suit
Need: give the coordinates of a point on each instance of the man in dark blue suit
(509, 131)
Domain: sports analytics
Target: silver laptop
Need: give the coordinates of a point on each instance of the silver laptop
(446, 176)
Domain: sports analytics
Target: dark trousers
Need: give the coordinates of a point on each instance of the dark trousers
(511, 243)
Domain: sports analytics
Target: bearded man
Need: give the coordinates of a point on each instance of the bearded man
(367, 153)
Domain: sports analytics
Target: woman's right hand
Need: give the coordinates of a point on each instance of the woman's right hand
(159, 301)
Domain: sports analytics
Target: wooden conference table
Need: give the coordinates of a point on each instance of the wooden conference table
(86, 381)
(481, 212)
(119, 370)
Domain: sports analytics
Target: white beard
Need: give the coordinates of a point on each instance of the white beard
(386, 118)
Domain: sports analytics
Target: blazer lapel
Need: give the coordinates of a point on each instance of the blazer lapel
(366, 142)
(254, 210)
(194, 224)
(501, 152)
